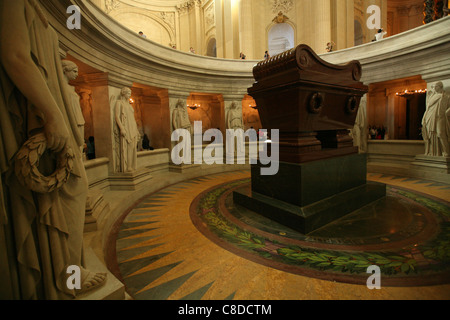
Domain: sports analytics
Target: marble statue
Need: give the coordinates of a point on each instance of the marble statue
(38, 123)
(234, 117)
(360, 129)
(129, 135)
(86, 109)
(180, 117)
(235, 122)
(70, 70)
(435, 122)
(180, 120)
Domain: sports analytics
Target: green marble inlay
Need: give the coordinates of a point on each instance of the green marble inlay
(430, 257)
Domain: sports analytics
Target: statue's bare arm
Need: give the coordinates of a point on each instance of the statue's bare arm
(18, 64)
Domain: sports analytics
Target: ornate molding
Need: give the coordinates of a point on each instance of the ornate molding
(282, 5)
(187, 6)
(111, 5)
(280, 18)
(210, 18)
(169, 18)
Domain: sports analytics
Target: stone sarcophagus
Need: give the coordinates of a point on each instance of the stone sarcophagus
(321, 176)
(313, 103)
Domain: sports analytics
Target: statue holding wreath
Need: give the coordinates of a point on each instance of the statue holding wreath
(43, 181)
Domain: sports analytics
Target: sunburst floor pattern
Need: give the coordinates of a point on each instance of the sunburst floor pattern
(161, 254)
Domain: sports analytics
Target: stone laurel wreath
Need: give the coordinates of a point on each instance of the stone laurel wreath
(27, 163)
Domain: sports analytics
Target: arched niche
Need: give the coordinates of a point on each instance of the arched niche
(207, 108)
(152, 114)
(359, 33)
(211, 46)
(281, 37)
(398, 111)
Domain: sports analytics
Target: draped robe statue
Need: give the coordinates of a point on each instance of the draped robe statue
(360, 129)
(70, 70)
(235, 122)
(129, 135)
(180, 118)
(435, 123)
(45, 229)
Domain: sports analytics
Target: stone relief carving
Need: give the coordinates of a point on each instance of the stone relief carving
(436, 122)
(111, 5)
(169, 18)
(282, 5)
(185, 7)
(210, 19)
(280, 18)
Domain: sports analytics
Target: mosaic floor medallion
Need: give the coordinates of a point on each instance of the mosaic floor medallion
(406, 234)
(189, 241)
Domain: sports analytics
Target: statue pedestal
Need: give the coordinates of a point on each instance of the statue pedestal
(310, 195)
(433, 168)
(113, 289)
(96, 206)
(129, 180)
(183, 168)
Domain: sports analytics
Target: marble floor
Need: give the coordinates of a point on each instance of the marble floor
(170, 247)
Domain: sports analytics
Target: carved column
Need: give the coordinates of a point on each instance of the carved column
(322, 25)
(198, 26)
(227, 26)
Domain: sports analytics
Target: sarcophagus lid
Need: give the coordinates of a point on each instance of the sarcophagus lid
(297, 91)
(302, 63)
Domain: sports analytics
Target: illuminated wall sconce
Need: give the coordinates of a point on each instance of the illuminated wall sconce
(131, 101)
(194, 107)
(253, 107)
(410, 92)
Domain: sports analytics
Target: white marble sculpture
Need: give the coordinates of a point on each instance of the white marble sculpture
(86, 108)
(70, 70)
(435, 123)
(235, 122)
(36, 115)
(180, 120)
(360, 129)
(128, 132)
(180, 117)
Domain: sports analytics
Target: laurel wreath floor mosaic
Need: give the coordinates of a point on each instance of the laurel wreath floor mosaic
(189, 241)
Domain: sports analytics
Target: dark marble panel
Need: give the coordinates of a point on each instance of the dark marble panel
(309, 218)
(307, 183)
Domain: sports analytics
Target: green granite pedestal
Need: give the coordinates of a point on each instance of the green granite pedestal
(310, 195)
